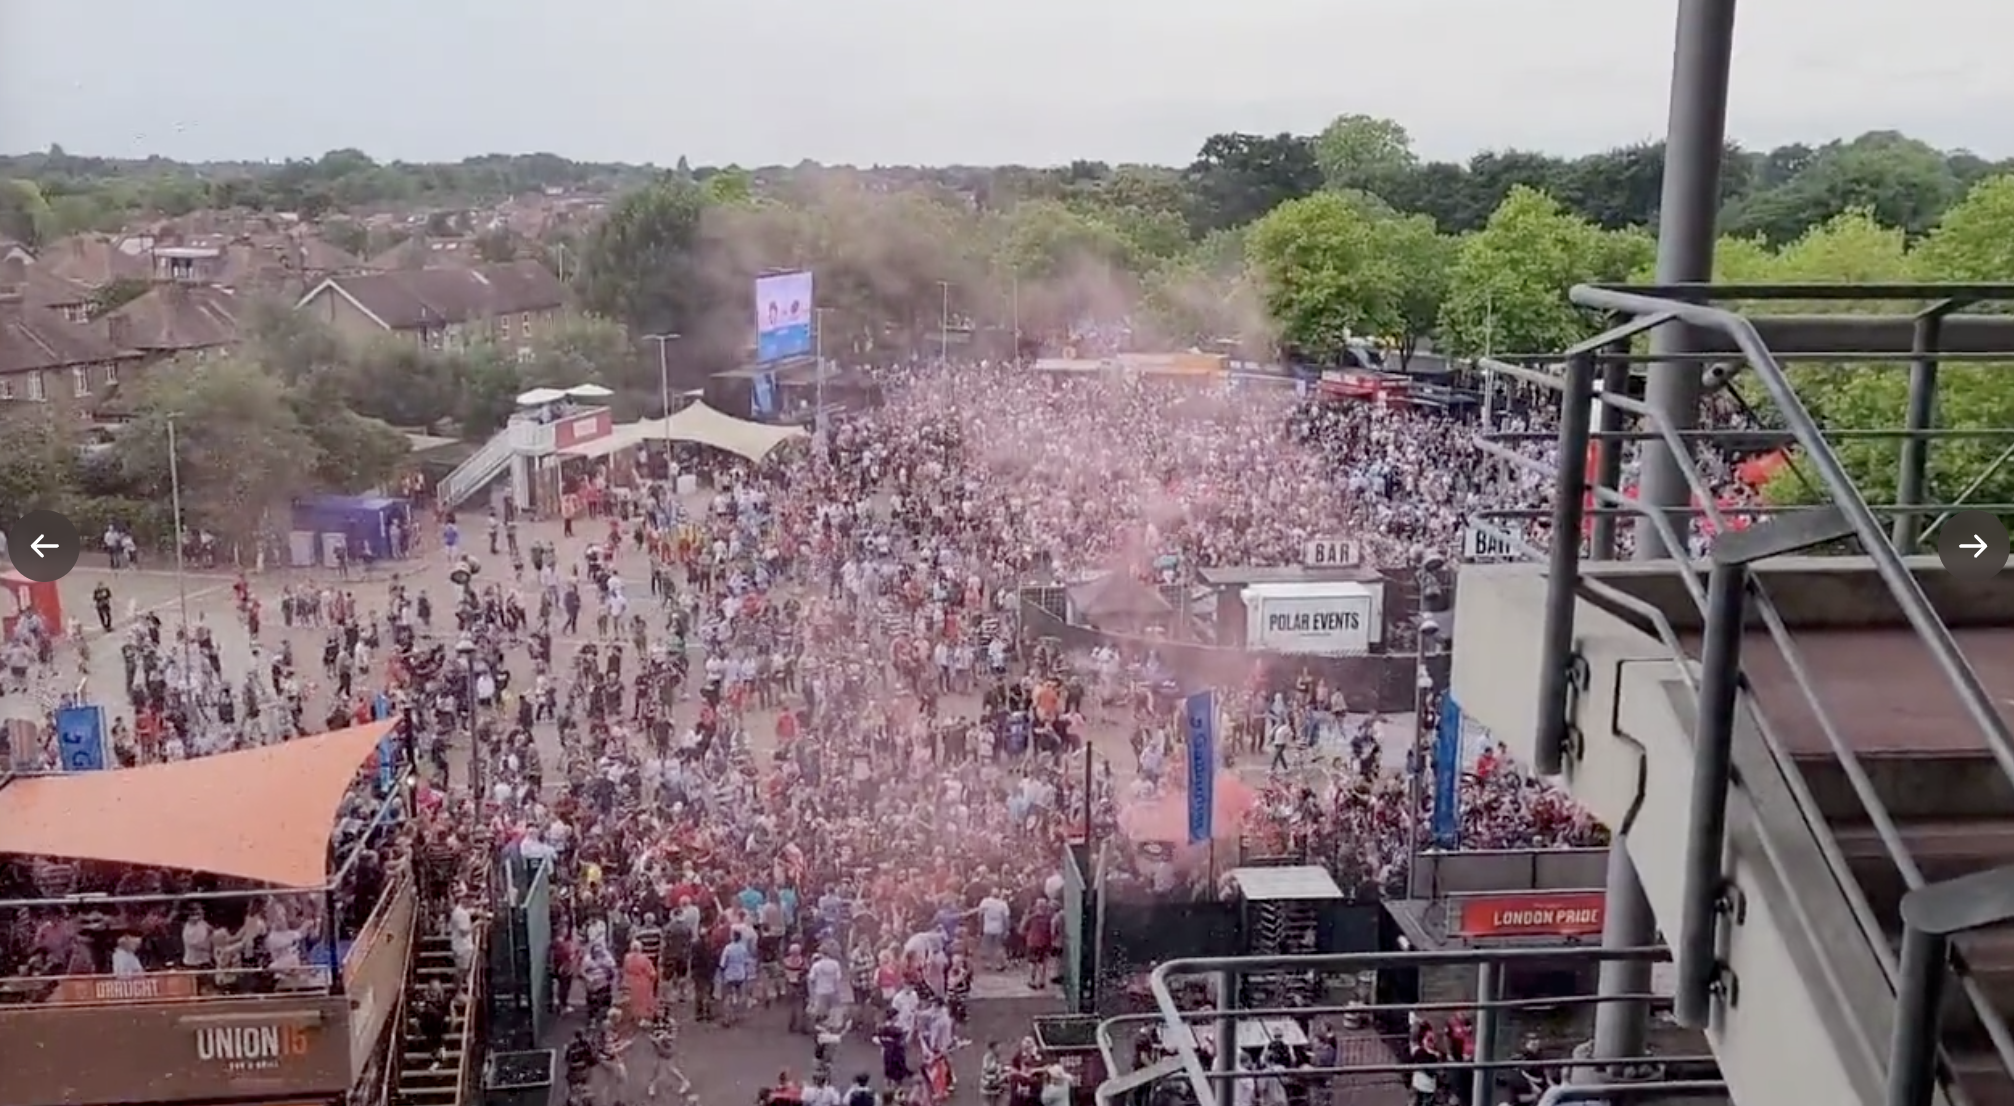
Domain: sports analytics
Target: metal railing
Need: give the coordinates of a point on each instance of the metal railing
(1485, 1070)
(469, 1084)
(1931, 915)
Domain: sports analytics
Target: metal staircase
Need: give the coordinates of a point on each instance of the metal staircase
(1811, 775)
(476, 473)
(428, 1078)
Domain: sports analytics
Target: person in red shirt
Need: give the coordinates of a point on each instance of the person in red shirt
(1035, 939)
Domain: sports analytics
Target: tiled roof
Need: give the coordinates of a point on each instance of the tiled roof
(413, 298)
(176, 317)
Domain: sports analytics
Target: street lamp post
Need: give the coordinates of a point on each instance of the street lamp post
(818, 357)
(664, 384)
(181, 577)
(465, 650)
(944, 324)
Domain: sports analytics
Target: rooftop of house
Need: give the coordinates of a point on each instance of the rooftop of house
(408, 299)
(173, 317)
(33, 338)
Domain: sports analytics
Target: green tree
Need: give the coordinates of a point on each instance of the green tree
(1975, 239)
(497, 246)
(39, 466)
(1324, 272)
(24, 213)
(1364, 153)
(1238, 177)
(347, 235)
(240, 446)
(639, 266)
(1507, 288)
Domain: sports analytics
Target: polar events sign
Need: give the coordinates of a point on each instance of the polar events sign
(1332, 620)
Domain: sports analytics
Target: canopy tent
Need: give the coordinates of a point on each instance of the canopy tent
(589, 391)
(260, 814)
(539, 397)
(707, 426)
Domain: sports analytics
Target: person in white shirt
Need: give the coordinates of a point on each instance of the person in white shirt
(994, 916)
(462, 937)
(196, 941)
(825, 982)
(126, 958)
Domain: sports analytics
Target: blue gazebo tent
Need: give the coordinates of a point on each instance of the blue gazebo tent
(353, 523)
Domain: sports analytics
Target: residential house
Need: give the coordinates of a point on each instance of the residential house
(511, 304)
(96, 260)
(177, 319)
(42, 288)
(45, 359)
(11, 250)
(422, 252)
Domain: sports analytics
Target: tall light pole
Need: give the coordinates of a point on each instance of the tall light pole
(944, 324)
(664, 384)
(1014, 295)
(181, 577)
(818, 357)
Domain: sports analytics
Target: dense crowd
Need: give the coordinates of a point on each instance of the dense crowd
(785, 740)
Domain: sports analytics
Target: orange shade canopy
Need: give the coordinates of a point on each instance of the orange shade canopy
(260, 814)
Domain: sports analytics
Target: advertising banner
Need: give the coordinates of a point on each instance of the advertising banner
(267, 1047)
(1199, 719)
(1570, 914)
(80, 739)
(1321, 625)
(1447, 827)
(783, 316)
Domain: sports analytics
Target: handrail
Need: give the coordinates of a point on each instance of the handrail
(393, 1041)
(1574, 483)
(180, 985)
(1831, 472)
(468, 1087)
(1186, 1061)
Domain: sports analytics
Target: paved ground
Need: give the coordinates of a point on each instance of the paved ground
(729, 1066)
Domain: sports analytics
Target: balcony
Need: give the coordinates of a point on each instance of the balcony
(99, 985)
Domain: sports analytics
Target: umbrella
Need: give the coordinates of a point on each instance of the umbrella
(589, 391)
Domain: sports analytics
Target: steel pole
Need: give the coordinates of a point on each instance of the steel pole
(181, 573)
(1695, 137)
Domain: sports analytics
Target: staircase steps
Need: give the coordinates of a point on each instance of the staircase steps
(426, 1079)
(1948, 798)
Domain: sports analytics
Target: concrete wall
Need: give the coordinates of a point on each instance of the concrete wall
(1802, 990)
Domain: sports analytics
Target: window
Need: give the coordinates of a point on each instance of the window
(80, 382)
(38, 389)
(6, 387)
(111, 374)
(524, 355)
(434, 337)
(526, 328)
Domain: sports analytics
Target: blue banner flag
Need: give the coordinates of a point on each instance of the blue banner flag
(1447, 825)
(1199, 717)
(80, 739)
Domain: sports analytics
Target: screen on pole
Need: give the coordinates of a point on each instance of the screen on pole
(782, 316)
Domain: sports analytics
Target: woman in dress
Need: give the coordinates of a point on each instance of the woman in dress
(639, 984)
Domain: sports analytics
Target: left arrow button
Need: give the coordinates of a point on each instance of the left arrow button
(43, 546)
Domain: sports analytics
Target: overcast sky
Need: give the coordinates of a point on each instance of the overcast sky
(926, 81)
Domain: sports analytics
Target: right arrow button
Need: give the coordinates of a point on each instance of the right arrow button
(1973, 545)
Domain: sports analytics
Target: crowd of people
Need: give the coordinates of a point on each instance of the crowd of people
(785, 740)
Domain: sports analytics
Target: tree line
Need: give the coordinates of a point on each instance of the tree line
(1287, 243)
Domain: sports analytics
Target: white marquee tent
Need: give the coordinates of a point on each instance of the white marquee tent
(708, 426)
